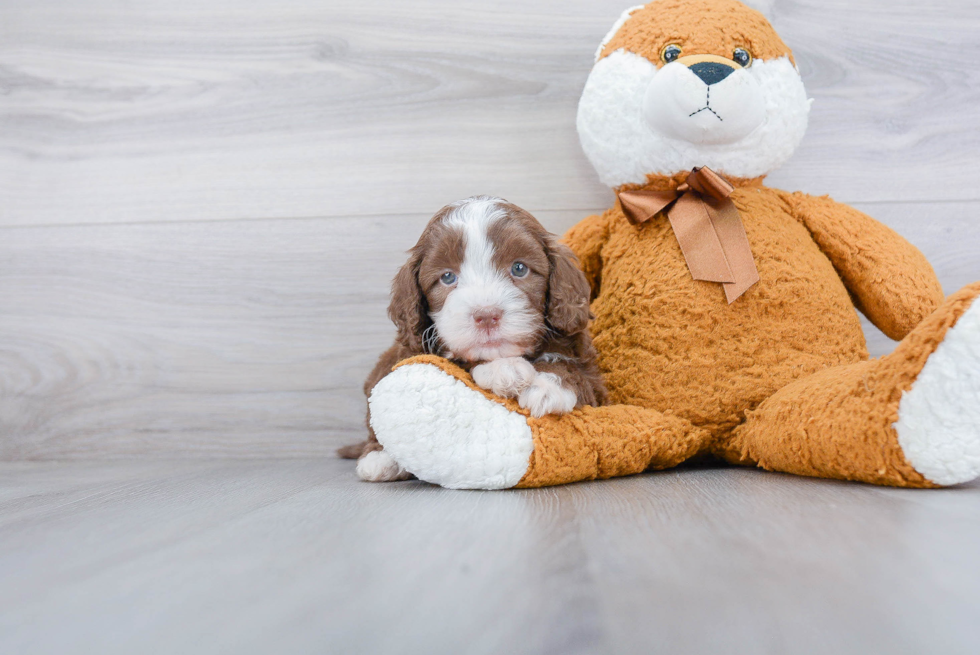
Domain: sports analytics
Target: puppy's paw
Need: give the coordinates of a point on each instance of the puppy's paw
(547, 396)
(378, 466)
(506, 377)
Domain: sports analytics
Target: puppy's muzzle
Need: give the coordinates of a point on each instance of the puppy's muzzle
(488, 318)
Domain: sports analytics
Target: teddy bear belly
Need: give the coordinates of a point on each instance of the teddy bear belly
(671, 343)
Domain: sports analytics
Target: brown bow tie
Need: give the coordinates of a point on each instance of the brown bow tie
(707, 226)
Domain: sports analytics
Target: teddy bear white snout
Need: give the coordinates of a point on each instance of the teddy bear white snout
(707, 108)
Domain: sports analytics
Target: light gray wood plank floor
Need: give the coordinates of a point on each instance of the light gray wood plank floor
(294, 556)
(201, 204)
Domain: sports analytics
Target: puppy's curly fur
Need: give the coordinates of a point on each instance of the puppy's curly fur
(552, 343)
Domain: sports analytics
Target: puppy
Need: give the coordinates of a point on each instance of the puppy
(489, 288)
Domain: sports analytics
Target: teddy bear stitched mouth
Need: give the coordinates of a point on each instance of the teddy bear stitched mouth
(707, 106)
(678, 104)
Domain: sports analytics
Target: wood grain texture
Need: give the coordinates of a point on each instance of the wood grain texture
(298, 557)
(201, 204)
(121, 112)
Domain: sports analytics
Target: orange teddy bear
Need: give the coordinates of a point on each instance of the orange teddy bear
(725, 310)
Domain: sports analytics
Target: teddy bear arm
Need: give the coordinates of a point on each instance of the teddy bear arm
(586, 239)
(891, 282)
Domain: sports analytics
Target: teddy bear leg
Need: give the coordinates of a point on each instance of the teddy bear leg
(909, 419)
(437, 424)
(607, 442)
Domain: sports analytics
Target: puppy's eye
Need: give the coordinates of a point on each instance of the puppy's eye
(519, 269)
(742, 57)
(448, 278)
(670, 53)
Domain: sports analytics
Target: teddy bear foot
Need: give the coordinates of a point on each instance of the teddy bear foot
(939, 417)
(447, 433)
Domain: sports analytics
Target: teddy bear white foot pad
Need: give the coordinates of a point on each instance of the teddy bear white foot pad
(938, 417)
(446, 433)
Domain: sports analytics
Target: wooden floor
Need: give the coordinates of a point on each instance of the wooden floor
(201, 205)
(293, 556)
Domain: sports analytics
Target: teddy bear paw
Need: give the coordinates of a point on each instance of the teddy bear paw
(447, 433)
(939, 417)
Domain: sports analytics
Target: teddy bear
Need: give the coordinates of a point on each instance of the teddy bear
(725, 311)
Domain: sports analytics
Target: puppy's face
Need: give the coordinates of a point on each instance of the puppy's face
(479, 284)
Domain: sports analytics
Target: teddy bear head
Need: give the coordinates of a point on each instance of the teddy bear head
(679, 84)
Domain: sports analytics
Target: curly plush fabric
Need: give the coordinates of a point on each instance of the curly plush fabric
(837, 423)
(615, 101)
(780, 378)
(713, 27)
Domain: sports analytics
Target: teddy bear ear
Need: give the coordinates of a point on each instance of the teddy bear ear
(615, 28)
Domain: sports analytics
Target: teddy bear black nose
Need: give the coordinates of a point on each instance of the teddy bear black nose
(711, 72)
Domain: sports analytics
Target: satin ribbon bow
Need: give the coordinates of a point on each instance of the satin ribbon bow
(707, 226)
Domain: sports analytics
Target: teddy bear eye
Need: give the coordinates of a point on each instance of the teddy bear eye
(519, 269)
(742, 57)
(448, 278)
(670, 53)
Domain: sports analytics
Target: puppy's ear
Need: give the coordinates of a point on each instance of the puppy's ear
(568, 290)
(408, 309)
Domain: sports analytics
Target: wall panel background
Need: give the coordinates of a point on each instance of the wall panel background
(201, 207)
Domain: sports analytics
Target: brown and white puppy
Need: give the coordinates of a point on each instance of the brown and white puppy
(488, 287)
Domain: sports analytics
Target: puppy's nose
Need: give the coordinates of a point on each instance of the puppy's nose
(487, 317)
(711, 72)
